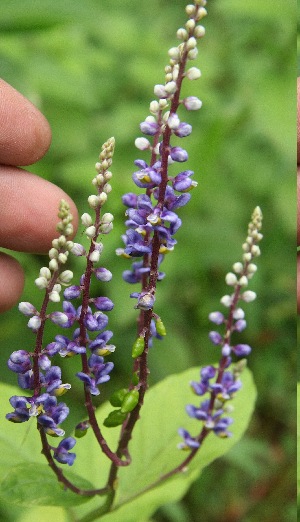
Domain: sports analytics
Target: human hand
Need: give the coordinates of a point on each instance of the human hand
(28, 203)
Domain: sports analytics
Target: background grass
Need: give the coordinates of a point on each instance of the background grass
(90, 67)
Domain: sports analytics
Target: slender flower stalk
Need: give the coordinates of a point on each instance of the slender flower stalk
(152, 219)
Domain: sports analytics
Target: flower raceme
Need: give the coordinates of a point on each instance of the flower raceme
(220, 383)
(88, 321)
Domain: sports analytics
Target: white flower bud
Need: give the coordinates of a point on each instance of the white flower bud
(142, 143)
(62, 240)
(248, 296)
(69, 229)
(163, 103)
(226, 300)
(106, 228)
(190, 25)
(94, 256)
(174, 53)
(171, 87)
(175, 72)
(199, 31)
(160, 91)
(255, 250)
(57, 288)
(238, 268)
(243, 281)
(173, 121)
(69, 245)
(251, 268)
(107, 218)
(93, 201)
(238, 313)
(154, 107)
(190, 9)
(54, 297)
(41, 282)
(53, 265)
(45, 272)
(247, 257)
(53, 253)
(191, 43)
(106, 190)
(108, 175)
(193, 73)
(63, 257)
(182, 34)
(201, 13)
(231, 279)
(78, 249)
(86, 219)
(34, 323)
(66, 276)
(27, 308)
(192, 103)
(90, 231)
(192, 54)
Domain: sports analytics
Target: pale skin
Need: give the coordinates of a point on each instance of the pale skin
(28, 203)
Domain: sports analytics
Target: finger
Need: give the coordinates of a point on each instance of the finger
(25, 134)
(29, 207)
(298, 120)
(11, 282)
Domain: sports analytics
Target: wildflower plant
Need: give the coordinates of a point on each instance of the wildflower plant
(127, 453)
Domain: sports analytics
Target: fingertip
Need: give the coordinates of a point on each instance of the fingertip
(11, 282)
(25, 134)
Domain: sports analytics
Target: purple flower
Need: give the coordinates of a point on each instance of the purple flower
(215, 337)
(183, 130)
(19, 361)
(147, 177)
(103, 304)
(72, 292)
(102, 274)
(135, 244)
(189, 441)
(64, 346)
(61, 453)
(212, 421)
(99, 344)
(178, 154)
(95, 322)
(130, 200)
(206, 373)
(216, 317)
(98, 373)
(241, 350)
(21, 413)
(145, 300)
(228, 386)
(150, 128)
(54, 414)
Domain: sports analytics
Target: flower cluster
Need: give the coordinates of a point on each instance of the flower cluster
(220, 383)
(34, 369)
(152, 219)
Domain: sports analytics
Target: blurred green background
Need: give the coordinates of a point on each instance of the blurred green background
(90, 67)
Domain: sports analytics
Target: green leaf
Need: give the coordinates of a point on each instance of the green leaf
(29, 480)
(154, 446)
(35, 485)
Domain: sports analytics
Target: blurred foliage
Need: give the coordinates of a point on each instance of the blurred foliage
(90, 67)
